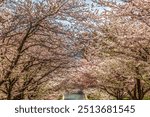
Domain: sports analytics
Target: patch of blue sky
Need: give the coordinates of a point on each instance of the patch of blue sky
(94, 6)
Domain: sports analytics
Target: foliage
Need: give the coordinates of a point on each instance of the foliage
(49, 47)
(35, 44)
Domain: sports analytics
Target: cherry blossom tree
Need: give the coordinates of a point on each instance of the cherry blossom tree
(37, 41)
(124, 33)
